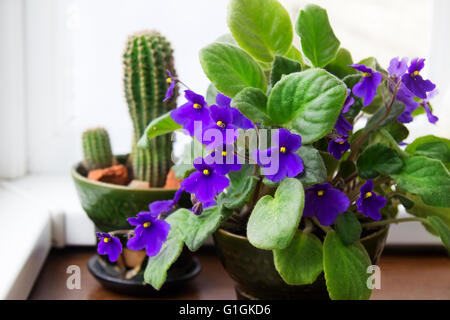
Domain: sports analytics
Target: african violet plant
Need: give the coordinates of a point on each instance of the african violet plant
(312, 183)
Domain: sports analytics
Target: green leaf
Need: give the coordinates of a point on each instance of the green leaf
(397, 109)
(261, 27)
(211, 94)
(227, 38)
(384, 137)
(309, 102)
(427, 178)
(431, 147)
(156, 269)
(242, 185)
(314, 171)
(398, 131)
(158, 126)
(231, 69)
(294, 54)
(331, 163)
(319, 43)
(345, 269)
(415, 206)
(274, 220)
(195, 229)
(347, 168)
(252, 103)
(301, 262)
(378, 159)
(442, 228)
(340, 65)
(283, 66)
(348, 228)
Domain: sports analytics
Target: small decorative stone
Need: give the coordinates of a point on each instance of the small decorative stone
(139, 184)
(117, 174)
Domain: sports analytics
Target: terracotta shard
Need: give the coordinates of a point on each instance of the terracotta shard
(117, 174)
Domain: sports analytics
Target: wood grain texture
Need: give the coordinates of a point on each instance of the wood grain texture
(406, 273)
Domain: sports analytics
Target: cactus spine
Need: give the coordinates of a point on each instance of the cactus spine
(97, 149)
(146, 58)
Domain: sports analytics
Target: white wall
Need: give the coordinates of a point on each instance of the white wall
(75, 71)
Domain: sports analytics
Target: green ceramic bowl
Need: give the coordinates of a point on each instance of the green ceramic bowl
(255, 275)
(109, 205)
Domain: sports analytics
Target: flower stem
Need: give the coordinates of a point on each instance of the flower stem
(324, 228)
(390, 221)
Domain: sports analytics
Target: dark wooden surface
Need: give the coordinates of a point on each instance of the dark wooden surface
(406, 273)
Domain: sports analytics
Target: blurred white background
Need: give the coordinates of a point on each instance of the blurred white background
(61, 72)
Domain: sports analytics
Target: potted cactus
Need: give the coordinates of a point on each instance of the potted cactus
(114, 188)
(299, 202)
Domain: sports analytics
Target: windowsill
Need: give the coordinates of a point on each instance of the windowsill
(47, 213)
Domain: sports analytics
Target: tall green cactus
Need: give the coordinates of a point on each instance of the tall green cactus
(146, 58)
(96, 149)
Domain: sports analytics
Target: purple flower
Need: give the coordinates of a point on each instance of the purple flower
(325, 203)
(414, 81)
(171, 81)
(195, 110)
(367, 88)
(426, 105)
(224, 159)
(282, 155)
(239, 120)
(150, 233)
(109, 245)
(348, 102)
(165, 206)
(223, 130)
(397, 67)
(205, 183)
(407, 98)
(338, 146)
(342, 126)
(369, 204)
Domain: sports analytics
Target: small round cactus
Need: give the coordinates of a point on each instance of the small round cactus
(96, 149)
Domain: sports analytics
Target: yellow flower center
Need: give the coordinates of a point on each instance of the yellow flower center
(147, 224)
(320, 193)
(368, 195)
(169, 80)
(220, 124)
(224, 153)
(106, 240)
(282, 149)
(197, 106)
(341, 142)
(416, 73)
(206, 172)
(366, 74)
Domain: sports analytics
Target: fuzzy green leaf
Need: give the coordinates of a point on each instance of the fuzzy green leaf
(274, 220)
(309, 102)
(442, 229)
(378, 159)
(345, 269)
(431, 147)
(314, 167)
(156, 269)
(301, 262)
(397, 109)
(426, 177)
(398, 131)
(242, 185)
(283, 66)
(253, 104)
(159, 126)
(319, 43)
(231, 69)
(348, 228)
(195, 229)
(340, 65)
(261, 27)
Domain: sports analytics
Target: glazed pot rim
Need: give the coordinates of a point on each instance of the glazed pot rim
(79, 177)
(370, 236)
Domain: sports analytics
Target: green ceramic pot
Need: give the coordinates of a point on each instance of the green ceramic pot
(109, 205)
(255, 275)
